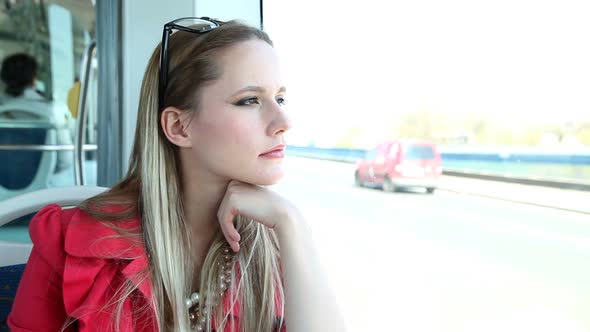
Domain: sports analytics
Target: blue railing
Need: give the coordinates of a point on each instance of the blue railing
(525, 163)
(336, 154)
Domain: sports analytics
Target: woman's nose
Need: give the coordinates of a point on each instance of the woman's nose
(280, 123)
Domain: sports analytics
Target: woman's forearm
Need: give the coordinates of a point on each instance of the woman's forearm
(310, 305)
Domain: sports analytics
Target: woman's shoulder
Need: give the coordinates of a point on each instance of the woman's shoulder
(88, 256)
(56, 231)
(47, 230)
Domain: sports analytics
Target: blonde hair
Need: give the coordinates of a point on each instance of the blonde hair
(152, 190)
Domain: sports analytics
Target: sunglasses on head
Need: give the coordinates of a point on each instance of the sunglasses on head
(198, 25)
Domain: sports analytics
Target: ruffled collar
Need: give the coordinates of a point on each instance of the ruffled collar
(88, 238)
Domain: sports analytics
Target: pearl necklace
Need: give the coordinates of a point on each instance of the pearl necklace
(198, 319)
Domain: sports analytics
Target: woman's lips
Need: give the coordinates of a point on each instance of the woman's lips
(277, 152)
(274, 154)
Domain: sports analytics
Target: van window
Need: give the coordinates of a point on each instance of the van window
(419, 152)
(371, 154)
(393, 151)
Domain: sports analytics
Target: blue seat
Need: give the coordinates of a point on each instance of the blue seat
(26, 170)
(9, 279)
(21, 168)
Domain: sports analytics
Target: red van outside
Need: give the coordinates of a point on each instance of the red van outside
(400, 164)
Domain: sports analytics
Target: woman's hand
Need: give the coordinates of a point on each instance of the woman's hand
(253, 202)
(308, 295)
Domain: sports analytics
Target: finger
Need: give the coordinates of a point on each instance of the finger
(235, 246)
(226, 214)
(232, 231)
(229, 230)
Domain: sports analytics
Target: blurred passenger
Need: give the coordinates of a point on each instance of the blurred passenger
(19, 73)
(190, 238)
(23, 102)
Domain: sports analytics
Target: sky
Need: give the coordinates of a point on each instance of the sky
(360, 63)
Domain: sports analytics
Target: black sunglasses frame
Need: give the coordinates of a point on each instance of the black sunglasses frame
(167, 31)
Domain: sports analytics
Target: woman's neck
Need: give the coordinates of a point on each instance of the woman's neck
(202, 195)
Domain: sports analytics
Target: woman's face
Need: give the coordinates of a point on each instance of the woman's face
(241, 117)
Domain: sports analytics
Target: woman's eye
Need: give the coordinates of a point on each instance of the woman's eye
(248, 101)
(281, 101)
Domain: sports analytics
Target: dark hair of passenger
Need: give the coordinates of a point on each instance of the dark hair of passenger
(18, 73)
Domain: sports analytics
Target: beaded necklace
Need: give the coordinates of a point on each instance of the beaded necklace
(199, 314)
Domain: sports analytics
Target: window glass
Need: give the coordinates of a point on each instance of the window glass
(42, 46)
(493, 237)
(420, 152)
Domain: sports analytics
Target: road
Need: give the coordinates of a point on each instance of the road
(443, 262)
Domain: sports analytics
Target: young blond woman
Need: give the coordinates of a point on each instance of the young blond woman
(190, 239)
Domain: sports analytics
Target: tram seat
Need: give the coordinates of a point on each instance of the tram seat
(14, 255)
(21, 170)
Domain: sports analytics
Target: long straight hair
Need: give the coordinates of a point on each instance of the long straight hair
(152, 190)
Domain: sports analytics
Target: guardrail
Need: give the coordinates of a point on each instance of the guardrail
(569, 170)
(334, 154)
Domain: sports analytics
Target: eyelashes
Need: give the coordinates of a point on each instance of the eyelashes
(248, 101)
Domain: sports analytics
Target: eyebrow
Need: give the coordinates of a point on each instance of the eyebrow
(259, 89)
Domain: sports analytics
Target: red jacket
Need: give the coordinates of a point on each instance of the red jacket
(76, 265)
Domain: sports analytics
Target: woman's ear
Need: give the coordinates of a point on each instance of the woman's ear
(175, 125)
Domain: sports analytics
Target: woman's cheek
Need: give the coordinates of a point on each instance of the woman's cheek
(241, 133)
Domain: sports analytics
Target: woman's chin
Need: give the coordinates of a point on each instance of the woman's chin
(270, 182)
(266, 179)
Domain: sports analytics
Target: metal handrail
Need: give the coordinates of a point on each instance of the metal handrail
(41, 147)
(22, 124)
(82, 115)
